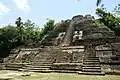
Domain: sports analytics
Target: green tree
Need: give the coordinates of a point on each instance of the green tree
(48, 27)
(19, 23)
(8, 39)
(109, 20)
(24, 34)
(31, 31)
(20, 30)
(116, 11)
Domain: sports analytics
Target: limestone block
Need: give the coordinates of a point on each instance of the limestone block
(99, 54)
(105, 68)
(105, 59)
(67, 66)
(61, 34)
(63, 57)
(77, 57)
(115, 67)
(103, 47)
(78, 33)
(73, 50)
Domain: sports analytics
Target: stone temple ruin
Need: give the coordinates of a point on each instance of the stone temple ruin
(74, 46)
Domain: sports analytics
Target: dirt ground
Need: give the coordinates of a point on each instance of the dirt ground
(15, 75)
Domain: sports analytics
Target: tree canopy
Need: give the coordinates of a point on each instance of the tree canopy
(109, 19)
(24, 33)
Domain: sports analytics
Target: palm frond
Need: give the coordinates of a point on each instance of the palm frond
(98, 2)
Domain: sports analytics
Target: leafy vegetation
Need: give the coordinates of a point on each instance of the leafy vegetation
(25, 33)
(109, 19)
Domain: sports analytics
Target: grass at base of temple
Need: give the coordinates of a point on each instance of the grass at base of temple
(15, 75)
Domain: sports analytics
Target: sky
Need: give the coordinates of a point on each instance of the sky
(39, 10)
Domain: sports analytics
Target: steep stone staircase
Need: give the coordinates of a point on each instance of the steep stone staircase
(91, 64)
(72, 59)
(42, 62)
(38, 67)
(68, 59)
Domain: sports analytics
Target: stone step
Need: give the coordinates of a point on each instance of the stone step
(92, 73)
(110, 62)
(59, 64)
(42, 56)
(91, 67)
(94, 57)
(89, 55)
(76, 50)
(73, 47)
(38, 65)
(43, 61)
(30, 49)
(39, 59)
(91, 70)
(11, 68)
(91, 62)
(16, 63)
(90, 58)
(58, 71)
(88, 65)
(71, 69)
(24, 67)
(115, 72)
(38, 68)
(41, 64)
(65, 71)
(14, 66)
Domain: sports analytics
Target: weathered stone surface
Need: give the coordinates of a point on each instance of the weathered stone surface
(75, 46)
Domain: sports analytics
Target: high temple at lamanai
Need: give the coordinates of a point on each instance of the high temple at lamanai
(74, 46)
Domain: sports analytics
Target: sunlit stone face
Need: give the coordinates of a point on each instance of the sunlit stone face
(78, 17)
(77, 35)
(61, 34)
(88, 16)
(59, 38)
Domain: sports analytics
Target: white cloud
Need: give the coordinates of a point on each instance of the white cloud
(3, 9)
(22, 5)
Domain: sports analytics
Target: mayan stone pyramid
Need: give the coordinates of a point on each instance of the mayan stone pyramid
(76, 45)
